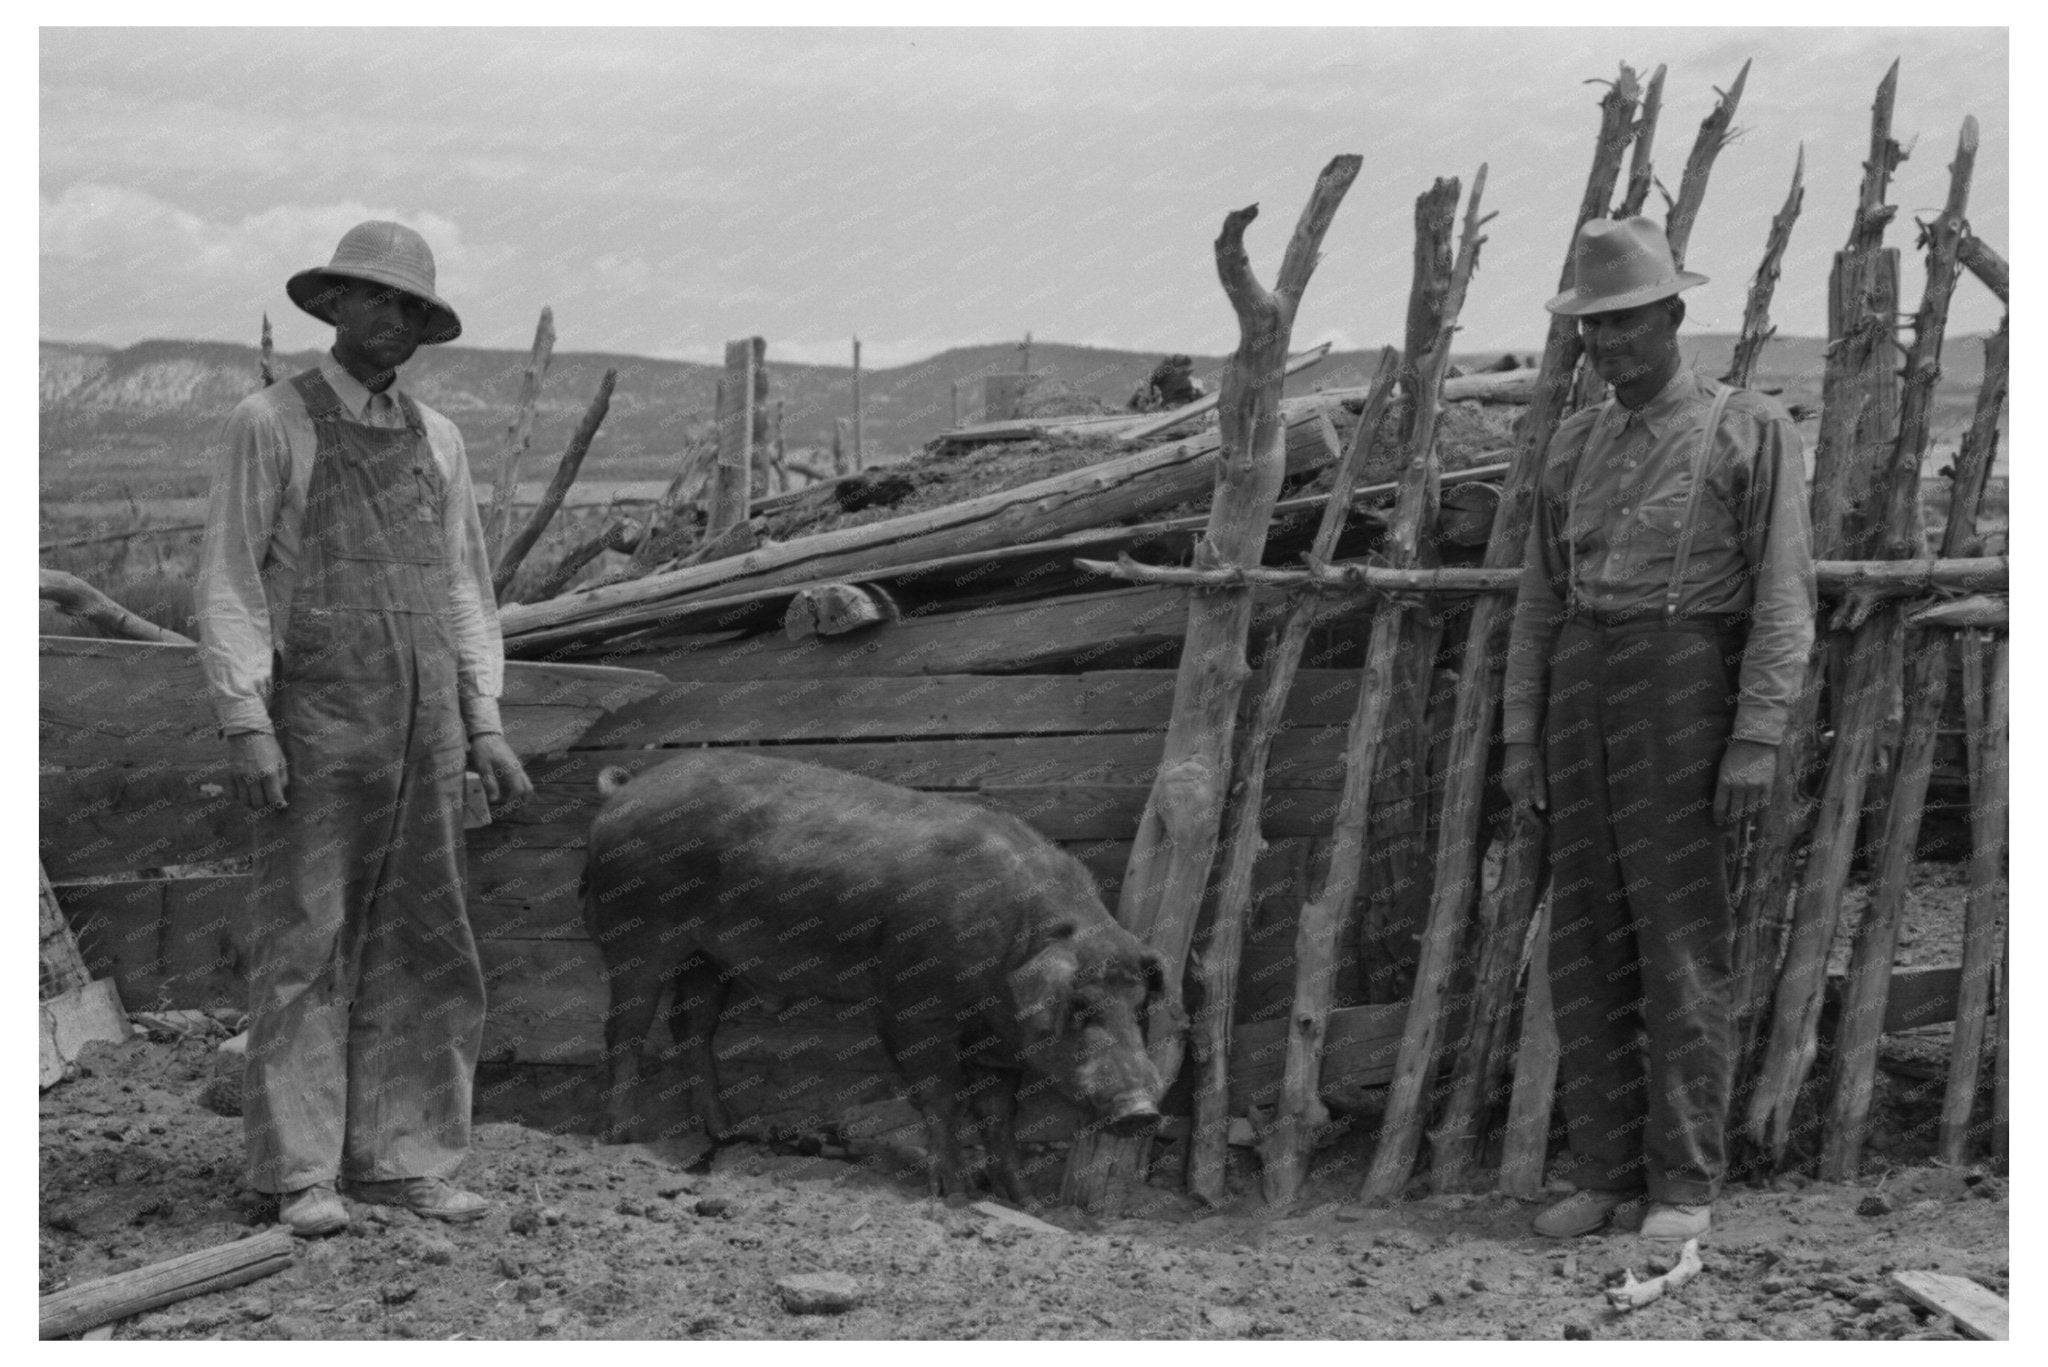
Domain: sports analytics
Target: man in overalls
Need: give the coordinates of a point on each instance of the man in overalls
(349, 638)
(1662, 627)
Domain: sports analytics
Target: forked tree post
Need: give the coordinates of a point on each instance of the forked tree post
(1176, 839)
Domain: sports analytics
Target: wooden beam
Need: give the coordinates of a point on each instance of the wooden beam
(1127, 488)
(78, 1308)
(76, 598)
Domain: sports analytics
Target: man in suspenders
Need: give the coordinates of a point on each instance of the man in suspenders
(349, 638)
(1661, 630)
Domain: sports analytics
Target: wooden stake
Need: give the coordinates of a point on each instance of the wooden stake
(1870, 967)
(1285, 1146)
(859, 416)
(1979, 449)
(1980, 259)
(1756, 313)
(1479, 694)
(1208, 1147)
(76, 598)
(265, 370)
(1714, 135)
(732, 487)
(1859, 398)
(1985, 739)
(1176, 839)
(1527, 1141)
(1640, 172)
(498, 519)
(558, 488)
(956, 403)
(78, 1308)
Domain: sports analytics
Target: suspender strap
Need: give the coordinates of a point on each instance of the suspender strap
(1596, 440)
(319, 397)
(1701, 453)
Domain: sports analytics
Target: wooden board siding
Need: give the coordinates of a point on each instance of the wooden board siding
(134, 776)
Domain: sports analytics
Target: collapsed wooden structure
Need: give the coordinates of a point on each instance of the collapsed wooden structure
(1027, 649)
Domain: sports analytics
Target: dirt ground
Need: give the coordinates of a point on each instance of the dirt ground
(588, 1241)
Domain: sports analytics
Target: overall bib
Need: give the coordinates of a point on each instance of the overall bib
(366, 997)
(1641, 708)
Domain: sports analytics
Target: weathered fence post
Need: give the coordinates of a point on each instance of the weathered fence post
(1285, 1147)
(1479, 676)
(1176, 840)
(558, 488)
(732, 480)
(1859, 397)
(1208, 1148)
(859, 415)
(1870, 967)
(518, 436)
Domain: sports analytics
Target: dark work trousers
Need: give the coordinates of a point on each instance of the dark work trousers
(1641, 940)
(366, 997)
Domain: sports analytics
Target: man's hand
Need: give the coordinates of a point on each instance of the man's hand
(1744, 788)
(257, 762)
(505, 780)
(1521, 774)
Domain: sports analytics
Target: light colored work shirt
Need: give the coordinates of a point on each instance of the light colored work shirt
(248, 562)
(1609, 510)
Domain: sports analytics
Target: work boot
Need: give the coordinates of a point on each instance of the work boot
(313, 1212)
(429, 1196)
(1670, 1223)
(1583, 1212)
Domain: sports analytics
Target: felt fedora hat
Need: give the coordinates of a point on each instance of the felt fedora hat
(1619, 263)
(383, 254)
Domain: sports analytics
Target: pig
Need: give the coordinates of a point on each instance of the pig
(976, 948)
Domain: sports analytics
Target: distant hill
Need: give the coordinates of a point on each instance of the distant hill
(138, 420)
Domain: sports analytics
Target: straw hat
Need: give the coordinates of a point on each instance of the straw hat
(1620, 263)
(383, 254)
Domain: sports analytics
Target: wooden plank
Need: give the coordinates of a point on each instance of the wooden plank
(1977, 1311)
(1123, 489)
(882, 707)
(1135, 628)
(63, 967)
(134, 776)
(75, 1018)
(1358, 1051)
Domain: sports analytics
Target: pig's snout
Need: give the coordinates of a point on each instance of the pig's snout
(1132, 1116)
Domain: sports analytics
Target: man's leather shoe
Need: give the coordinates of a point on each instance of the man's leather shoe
(1668, 1223)
(313, 1211)
(1583, 1212)
(429, 1196)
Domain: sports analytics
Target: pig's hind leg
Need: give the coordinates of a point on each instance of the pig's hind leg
(628, 1021)
(693, 1011)
(927, 1056)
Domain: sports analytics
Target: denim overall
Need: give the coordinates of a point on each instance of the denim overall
(366, 997)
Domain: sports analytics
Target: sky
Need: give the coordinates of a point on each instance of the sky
(666, 190)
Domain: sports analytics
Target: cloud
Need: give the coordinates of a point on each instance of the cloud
(118, 263)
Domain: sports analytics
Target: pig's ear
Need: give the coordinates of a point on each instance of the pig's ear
(1043, 989)
(1155, 975)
